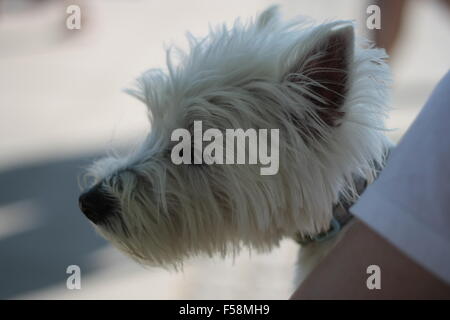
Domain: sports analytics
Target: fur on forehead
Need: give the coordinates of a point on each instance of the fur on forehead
(224, 62)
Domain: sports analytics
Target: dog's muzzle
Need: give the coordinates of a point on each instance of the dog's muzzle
(96, 205)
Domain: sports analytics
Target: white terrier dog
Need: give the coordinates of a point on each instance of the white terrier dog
(325, 94)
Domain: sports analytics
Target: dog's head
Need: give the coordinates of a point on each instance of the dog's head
(323, 94)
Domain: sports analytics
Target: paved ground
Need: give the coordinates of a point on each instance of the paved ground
(61, 105)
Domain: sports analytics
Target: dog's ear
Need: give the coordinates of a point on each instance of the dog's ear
(322, 71)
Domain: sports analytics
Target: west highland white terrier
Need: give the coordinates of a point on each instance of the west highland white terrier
(324, 93)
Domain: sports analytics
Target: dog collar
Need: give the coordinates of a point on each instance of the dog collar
(341, 216)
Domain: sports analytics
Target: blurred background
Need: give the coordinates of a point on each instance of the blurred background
(62, 105)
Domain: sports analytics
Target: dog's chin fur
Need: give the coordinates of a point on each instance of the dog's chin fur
(237, 78)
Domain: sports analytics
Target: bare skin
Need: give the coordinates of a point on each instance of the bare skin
(342, 274)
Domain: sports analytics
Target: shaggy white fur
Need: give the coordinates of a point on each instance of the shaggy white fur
(326, 95)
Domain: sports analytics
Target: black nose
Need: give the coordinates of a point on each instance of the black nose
(96, 205)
